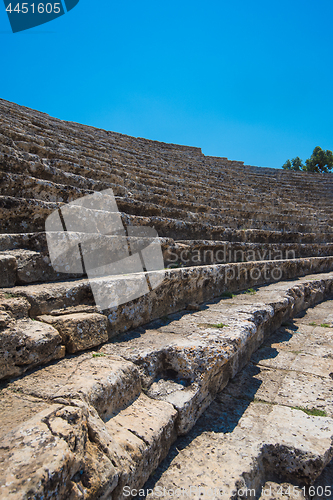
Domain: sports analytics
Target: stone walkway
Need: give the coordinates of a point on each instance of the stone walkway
(265, 434)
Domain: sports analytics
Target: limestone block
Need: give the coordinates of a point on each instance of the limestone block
(27, 343)
(51, 456)
(17, 307)
(33, 267)
(79, 331)
(144, 431)
(108, 383)
(8, 267)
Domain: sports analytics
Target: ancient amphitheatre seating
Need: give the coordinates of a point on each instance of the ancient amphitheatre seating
(218, 221)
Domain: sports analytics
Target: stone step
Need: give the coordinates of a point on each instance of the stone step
(254, 181)
(302, 245)
(30, 216)
(24, 259)
(71, 174)
(70, 308)
(104, 139)
(23, 186)
(321, 193)
(147, 181)
(185, 253)
(270, 426)
(144, 176)
(132, 206)
(102, 421)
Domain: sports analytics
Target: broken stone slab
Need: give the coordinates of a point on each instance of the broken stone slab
(144, 431)
(67, 451)
(79, 331)
(297, 445)
(25, 344)
(8, 268)
(108, 383)
(44, 298)
(52, 456)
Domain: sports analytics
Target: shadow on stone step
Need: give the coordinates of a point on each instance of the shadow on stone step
(221, 417)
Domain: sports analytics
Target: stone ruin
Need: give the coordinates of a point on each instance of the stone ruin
(93, 399)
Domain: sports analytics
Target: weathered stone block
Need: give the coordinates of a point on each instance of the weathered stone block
(59, 459)
(108, 383)
(8, 267)
(79, 331)
(25, 344)
(144, 431)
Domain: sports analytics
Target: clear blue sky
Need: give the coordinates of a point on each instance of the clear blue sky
(250, 80)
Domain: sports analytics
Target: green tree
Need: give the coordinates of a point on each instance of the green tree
(321, 161)
(287, 165)
(294, 164)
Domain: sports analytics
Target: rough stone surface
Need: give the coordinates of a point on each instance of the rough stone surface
(26, 344)
(256, 439)
(51, 456)
(145, 431)
(108, 383)
(8, 268)
(127, 413)
(86, 426)
(79, 331)
(187, 358)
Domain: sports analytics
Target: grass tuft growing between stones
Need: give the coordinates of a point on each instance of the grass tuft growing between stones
(313, 323)
(217, 325)
(98, 354)
(9, 296)
(227, 295)
(325, 325)
(250, 291)
(311, 411)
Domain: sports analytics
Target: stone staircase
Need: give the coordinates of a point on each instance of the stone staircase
(90, 420)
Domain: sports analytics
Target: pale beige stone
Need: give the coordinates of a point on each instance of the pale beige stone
(79, 331)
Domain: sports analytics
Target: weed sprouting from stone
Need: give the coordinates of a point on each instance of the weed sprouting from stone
(98, 354)
(315, 412)
(227, 295)
(325, 325)
(250, 291)
(313, 323)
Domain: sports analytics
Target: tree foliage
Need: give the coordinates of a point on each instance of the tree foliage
(320, 161)
(294, 164)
